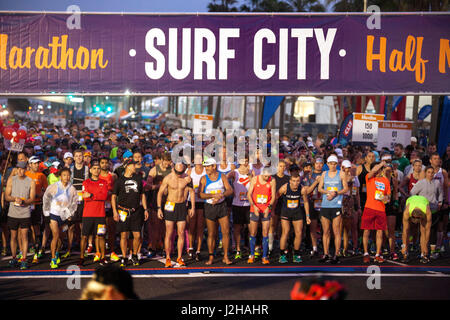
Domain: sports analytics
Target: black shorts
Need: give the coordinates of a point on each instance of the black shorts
(313, 213)
(36, 215)
(241, 214)
(330, 213)
(198, 205)
(216, 212)
(133, 223)
(293, 215)
(93, 226)
(16, 223)
(76, 218)
(179, 213)
(109, 213)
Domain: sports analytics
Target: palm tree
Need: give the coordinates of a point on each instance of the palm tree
(306, 6)
(222, 6)
(390, 5)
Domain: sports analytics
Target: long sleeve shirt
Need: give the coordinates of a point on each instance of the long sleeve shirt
(432, 190)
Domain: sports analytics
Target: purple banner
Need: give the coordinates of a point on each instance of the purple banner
(224, 54)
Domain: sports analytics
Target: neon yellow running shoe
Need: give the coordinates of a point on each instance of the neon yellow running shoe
(97, 257)
(114, 257)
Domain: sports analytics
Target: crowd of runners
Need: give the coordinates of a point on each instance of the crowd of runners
(116, 195)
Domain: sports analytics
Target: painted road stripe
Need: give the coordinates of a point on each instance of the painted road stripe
(245, 275)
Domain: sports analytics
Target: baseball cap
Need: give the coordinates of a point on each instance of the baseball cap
(21, 164)
(413, 139)
(310, 144)
(346, 164)
(386, 157)
(332, 158)
(36, 148)
(209, 162)
(68, 155)
(116, 277)
(127, 154)
(339, 152)
(34, 159)
(319, 160)
(148, 158)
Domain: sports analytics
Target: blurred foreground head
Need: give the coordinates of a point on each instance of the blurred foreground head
(109, 283)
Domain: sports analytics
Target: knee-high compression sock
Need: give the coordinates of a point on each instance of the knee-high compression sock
(265, 245)
(270, 241)
(252, 245)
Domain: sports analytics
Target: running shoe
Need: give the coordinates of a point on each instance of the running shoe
(151, 254)
(220, 246)
(40, 254)
(325, 258)
(191, 253)
(335, 260)
(4, 252)
(81, 262)
(394, 256)
(168, 263)
(103, 262)
(424, 260)
(23, 265)
(385, 252)
(54, 263)
(251, 259)
(58, 260)
(89, 249)
(123, 263)
(297, 259)
(35, 259)
(313, 254)
(283, 259)
(238, 255)
(114, 257)
(134, 261)
(32, 250)
(434, 255)
(265, 260)
(19, 256)
(97, 257)
(66, 255)
(197, 256)
(366, 259)
(379, 259)
(346, 254)
(257, 252)
(13, 263)
(180, 262)
(442, 249)
(139, 256)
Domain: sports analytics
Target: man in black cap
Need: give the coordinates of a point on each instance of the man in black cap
(110, 283)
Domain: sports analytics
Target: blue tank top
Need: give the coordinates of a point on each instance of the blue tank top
(332, 184)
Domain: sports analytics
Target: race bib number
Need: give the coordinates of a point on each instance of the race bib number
(364, 189)
(379, 195)
(196, 188)
(101, 229)
(80, 196)
(123, 215)
(261, 198)
(292, 204)
(170, 206)
(243, 196)
(317, 204)
(354, 190)
(333, 189)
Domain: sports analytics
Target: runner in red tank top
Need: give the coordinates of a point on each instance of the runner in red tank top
(261, 195)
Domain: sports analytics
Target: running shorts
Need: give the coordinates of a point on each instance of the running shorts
(16, 223)
(36, 215)
(93, 226)
(133, 222)
(178, 213)
(330, 213)
(293, 215)
(216, 211)
(373, 220)
(241, 214)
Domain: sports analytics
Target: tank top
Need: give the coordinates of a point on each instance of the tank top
(417, 202)
(241, 184)
(262, 195)
(214, 187)
(292, 199)
(279, 182)
(226, 170)
(412, 182)
(332, 184)
(439, 176)
(196, 182)
(163, 174)
(20, 189)
(362, 181)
